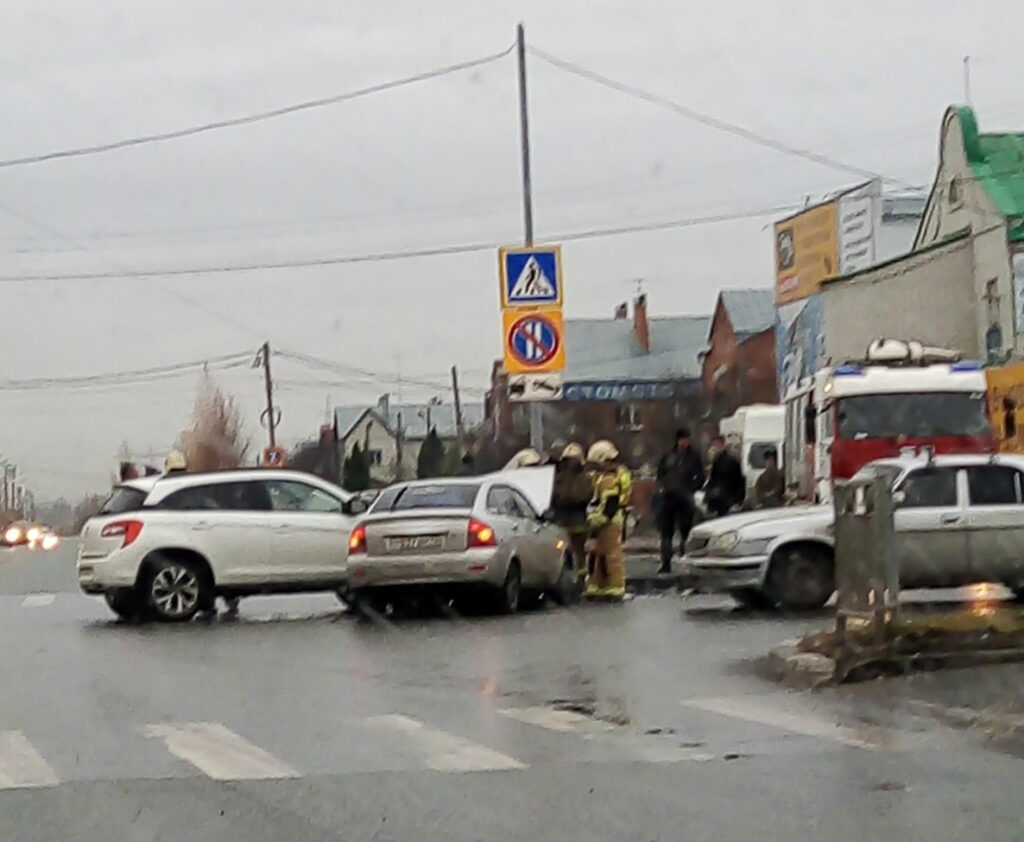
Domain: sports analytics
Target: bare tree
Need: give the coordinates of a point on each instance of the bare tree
(215, 440)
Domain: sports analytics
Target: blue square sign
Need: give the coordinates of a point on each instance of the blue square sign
(531, 276)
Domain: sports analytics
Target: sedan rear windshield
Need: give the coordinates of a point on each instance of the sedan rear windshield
(914, 414)
(447, 496)
(123, 499)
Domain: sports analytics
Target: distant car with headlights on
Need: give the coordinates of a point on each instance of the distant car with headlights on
(477, 540)
(25, 533)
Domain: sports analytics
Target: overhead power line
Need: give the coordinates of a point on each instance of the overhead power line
(704, 119)
(404, 254)
(129, 377)
(248, 119)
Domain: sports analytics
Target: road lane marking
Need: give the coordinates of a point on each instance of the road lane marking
(660, 748)
(563, 721)
(219, 752)
(38, 600)
(445, 752)
(21, 766)
(737, 707)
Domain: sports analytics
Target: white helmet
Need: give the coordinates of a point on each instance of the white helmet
(525, 458)
(602, 451)
(175, 461)
(574, 450)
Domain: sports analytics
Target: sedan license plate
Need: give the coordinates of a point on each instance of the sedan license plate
(405, 543)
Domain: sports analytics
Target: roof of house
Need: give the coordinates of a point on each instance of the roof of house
(607, 349)
(751, 311)
(997, 161)
(414, 418)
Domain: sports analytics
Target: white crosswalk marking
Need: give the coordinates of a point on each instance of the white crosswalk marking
(565, 721)
(38, 600)
(806, 724)
(21, 766)
(651, 748)
(219, 752)
(445, 752)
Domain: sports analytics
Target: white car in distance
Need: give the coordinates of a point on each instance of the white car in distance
(167, 546)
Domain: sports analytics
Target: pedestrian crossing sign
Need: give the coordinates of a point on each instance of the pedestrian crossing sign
(531, 276)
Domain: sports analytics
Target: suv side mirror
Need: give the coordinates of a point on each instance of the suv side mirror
(355, 506)
(899, 498)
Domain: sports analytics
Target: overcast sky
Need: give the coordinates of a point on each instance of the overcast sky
(431, 164)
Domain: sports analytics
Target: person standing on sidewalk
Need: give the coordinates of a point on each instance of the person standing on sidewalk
(680, 474)
(726, 485)
(612, 485)
(569, 500)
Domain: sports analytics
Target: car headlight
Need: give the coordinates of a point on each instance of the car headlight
(34, 533)
(12, 535)
(724, 541)
(51, 542)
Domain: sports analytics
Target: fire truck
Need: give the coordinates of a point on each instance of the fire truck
(902, 396)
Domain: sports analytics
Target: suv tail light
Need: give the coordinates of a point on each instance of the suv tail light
(128, 529)
(480, 535)
(357, 540)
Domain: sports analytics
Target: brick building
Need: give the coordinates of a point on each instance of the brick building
(738, 367)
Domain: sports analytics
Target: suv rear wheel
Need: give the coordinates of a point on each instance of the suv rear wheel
(175, 589)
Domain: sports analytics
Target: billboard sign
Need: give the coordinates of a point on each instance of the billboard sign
(856, 233)
(806, 252)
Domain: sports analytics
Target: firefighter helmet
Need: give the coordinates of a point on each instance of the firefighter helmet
(602, 451)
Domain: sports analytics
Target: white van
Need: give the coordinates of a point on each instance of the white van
(750, 433)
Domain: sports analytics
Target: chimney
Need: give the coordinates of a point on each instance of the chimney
(384, 406)
(640, 327)
(622, 312)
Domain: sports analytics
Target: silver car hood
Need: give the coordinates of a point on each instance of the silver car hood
(765, 516)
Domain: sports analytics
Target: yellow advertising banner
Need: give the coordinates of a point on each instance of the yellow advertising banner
(533, 340)
(806, 252)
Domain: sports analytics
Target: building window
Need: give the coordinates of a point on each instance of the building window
(956, 196)
(628, 416)
(375, 457)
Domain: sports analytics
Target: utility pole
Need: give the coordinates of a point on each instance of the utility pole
(398, 447)
(269, 383)
(460, 433)
(536, 418)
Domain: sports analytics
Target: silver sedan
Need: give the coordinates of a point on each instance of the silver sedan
(476, 539)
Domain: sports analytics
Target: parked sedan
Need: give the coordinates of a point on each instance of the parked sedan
(476, 539)
(958, 520)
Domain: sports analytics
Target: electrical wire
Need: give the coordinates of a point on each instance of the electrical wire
(384, 256)
(131, 377)
(705, 119)
(374, 376)
(248, 119)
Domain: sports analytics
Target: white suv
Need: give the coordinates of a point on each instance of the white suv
(168, 546)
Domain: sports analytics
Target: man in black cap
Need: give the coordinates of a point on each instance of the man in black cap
(680, 474)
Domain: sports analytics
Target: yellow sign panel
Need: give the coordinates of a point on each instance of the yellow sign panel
(534, 340)
(806, 252)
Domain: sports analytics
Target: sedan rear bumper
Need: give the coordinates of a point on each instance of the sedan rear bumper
(468, 567)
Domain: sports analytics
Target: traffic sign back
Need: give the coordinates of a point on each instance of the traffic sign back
(531, 276)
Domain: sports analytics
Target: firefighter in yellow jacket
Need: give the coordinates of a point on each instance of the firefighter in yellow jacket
(612, 484)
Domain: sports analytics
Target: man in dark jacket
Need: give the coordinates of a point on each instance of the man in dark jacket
(680, 474)
(726, 486)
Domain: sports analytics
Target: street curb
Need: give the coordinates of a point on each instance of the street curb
(800, 670)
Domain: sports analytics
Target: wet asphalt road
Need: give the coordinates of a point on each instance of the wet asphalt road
(644, 721)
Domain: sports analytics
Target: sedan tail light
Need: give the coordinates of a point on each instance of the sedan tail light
(357, 540)
(128, 530)
(480, 535)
